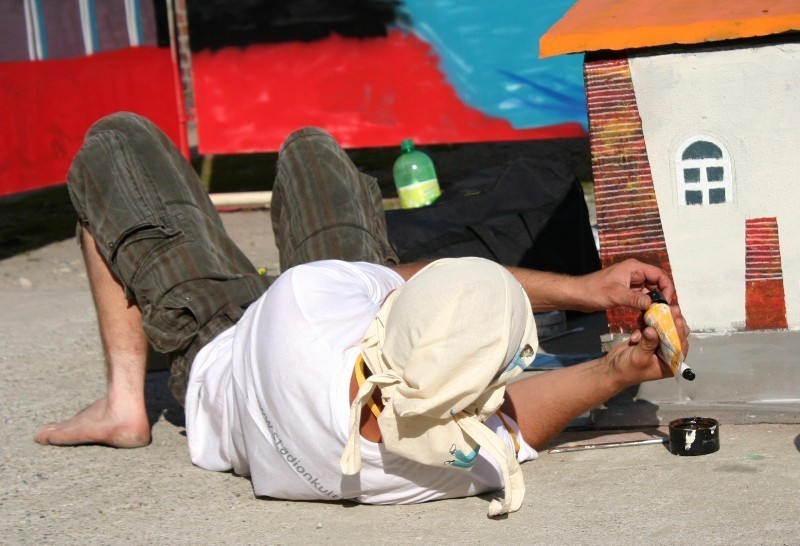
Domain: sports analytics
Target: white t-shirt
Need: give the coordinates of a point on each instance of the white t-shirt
(270, 397)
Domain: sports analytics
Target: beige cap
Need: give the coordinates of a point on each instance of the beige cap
(442, 348)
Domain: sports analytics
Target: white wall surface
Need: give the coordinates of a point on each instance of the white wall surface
(749, 100)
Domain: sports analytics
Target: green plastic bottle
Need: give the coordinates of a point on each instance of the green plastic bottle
(415, 177)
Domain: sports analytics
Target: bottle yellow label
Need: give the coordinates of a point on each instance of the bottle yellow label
(419, 194)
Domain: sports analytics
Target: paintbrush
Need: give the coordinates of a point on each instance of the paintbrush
(585, 447)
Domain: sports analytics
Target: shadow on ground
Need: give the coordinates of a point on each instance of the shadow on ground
(34, 219)
(158, 398)
(160, 402)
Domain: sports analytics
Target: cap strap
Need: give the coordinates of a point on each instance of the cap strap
(510, 430)
(351, 458)
(361, 377)
(513, 481)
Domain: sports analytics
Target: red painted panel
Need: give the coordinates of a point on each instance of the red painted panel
(765, 299)
(48, 106)
(369, 92)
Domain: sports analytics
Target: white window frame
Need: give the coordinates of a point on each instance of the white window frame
(704, 186)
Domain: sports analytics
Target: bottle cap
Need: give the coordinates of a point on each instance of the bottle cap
(656, 297)
(407, 145)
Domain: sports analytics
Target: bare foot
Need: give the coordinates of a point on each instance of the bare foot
(99, 423)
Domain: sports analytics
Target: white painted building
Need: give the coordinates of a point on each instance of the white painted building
(744, 104)
(711, 92)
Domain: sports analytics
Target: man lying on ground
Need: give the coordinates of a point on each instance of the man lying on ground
(274, 378)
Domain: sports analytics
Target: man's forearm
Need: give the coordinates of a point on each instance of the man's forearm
(546, 291)
(549, 291)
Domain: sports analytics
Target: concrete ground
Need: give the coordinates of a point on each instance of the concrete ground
(51, 366)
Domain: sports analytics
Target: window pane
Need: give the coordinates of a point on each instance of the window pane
(716, 196)
(715, 174)
(702, 149)
(691, 175)
(694, 198)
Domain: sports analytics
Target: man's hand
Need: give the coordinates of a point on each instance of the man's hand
(623, 284)
(634, 361)
(543, 404)
(626, 284)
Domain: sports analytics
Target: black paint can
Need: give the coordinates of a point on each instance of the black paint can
(693, 436)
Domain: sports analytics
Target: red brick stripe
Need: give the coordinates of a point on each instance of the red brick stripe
(764, 294)
(629, 224)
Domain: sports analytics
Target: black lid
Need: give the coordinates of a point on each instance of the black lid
(694, 436)
(656, 297)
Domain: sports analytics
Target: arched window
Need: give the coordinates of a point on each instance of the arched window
(705, 176)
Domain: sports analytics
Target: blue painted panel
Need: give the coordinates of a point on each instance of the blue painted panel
(489, 52)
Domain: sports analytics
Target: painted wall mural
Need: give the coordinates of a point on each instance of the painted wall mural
(374, 72)
(694, 131)
(66, 63)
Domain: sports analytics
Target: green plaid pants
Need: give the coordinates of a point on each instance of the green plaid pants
(162, 238)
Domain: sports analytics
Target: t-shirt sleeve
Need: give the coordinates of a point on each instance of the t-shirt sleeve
(338, 299)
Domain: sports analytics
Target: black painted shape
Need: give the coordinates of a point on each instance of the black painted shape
(214, 24)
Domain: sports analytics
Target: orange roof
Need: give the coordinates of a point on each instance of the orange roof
(592, 25)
